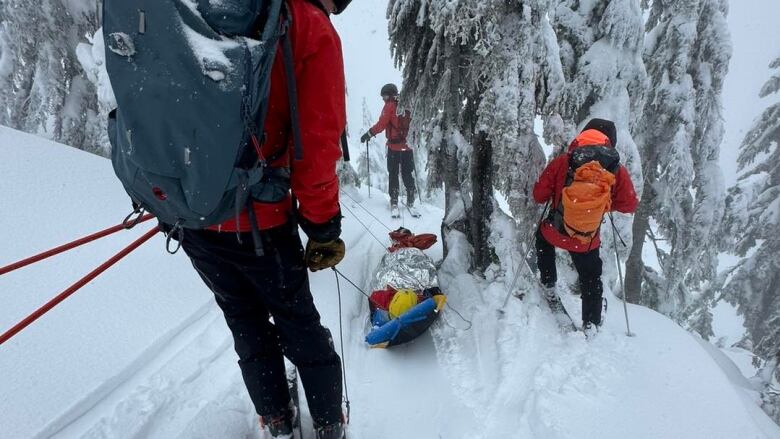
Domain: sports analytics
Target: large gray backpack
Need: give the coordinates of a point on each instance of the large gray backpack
(192, 80)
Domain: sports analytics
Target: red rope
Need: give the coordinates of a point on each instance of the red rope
(68, 246)
(77, 286)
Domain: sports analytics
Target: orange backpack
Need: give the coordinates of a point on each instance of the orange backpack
(587, 194)
(586, 200)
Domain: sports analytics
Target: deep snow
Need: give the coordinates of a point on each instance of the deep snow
(143, 352)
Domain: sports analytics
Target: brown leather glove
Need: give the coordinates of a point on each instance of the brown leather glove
(322, 255)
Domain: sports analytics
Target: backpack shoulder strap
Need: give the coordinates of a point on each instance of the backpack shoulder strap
(292, 89)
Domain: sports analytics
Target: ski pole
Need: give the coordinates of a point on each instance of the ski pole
(620, 274)
(368, 168)
(76, 286)
(525, 255)
(69, 246)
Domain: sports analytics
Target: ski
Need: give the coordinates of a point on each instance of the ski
(292, 385)
(413, 212)
(562, 316)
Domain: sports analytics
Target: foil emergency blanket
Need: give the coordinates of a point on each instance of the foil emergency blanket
(405, 268)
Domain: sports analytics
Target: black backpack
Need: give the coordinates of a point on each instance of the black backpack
(192, 81)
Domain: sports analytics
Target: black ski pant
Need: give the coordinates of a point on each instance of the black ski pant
(403, 160)
(588, 267)
(249, 289)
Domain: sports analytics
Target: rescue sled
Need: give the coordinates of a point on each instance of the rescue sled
(406, 298)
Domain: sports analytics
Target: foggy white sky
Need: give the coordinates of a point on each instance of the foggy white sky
(756, 39)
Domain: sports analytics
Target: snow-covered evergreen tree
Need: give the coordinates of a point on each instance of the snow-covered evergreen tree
(687, 52)
(44, 90)
(523, 70)
(751, 228)
(426, 39)
(604, 75)
(767, 383)
(474, 78)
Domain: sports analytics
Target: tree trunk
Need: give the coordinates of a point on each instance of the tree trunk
(451, 176)
(451, 188)
(482, 201)
(635, 266)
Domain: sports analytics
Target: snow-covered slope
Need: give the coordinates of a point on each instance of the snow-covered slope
(143, 353)
(75, 355)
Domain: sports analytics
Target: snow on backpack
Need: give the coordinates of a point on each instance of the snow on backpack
(587, 194)
(192, 81)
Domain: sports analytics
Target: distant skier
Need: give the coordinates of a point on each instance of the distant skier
(400, 155)
(582, 186)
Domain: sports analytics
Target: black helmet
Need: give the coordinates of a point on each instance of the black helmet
(389, 90)
(606, 127)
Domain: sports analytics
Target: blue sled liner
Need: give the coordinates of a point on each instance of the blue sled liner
(404, 328)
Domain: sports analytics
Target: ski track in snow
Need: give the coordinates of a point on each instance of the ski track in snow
(179, 393)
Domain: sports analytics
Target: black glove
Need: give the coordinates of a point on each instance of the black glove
(325, 232)
(324, 249)
(366, 137)
(322, 255)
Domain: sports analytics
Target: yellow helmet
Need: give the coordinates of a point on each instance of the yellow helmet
(403, 301)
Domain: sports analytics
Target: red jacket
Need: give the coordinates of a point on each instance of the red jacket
(553, 179)
(395, 127)
(319, 75)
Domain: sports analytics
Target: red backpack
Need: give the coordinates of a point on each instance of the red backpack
(399, 127)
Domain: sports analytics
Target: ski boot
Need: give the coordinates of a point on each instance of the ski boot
(333, 431)
(278, 426)
(395, 213)
(590, 329)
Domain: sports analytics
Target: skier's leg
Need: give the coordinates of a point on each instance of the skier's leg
(589, 268)
(219, 259)
(304, 340)
(545, 261)
(407, 171)
(393, 165)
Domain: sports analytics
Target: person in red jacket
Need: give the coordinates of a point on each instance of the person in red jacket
(399, 154)
(252, 289)
(551, 233)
